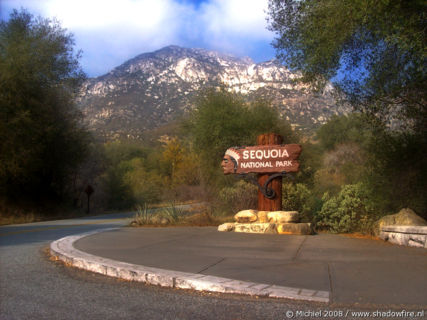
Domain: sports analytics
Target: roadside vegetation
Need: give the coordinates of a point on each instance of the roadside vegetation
(354, 169)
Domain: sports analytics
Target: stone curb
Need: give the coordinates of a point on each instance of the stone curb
(64, 250)
(406, 229)
(412, 236)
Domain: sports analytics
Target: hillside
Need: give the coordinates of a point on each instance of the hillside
(155, 88)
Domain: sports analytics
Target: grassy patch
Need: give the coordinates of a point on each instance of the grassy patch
(176, 215)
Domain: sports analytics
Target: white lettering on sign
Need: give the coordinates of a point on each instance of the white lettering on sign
(267, 164)
(251, 165)
(284, 163)
(265, 154)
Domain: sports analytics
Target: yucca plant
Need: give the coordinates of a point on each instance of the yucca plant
(142, 216)
(173, 212)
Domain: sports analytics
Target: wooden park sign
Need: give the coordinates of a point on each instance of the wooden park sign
(271, 160)
(262, 159)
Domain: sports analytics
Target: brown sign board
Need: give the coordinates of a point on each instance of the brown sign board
(262, 159)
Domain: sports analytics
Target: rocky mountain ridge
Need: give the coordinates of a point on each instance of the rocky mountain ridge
(155, 88)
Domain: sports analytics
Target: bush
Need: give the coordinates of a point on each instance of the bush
(299, 198)
(349, 211)
(242, 195)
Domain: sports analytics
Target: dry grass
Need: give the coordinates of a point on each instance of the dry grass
(15, 215)
(198, 215)
(19, 218)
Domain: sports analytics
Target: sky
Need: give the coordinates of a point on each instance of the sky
(110, 32)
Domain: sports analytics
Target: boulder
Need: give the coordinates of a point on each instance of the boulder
(283, 216)
(255, 227)
(227, 227)
(262, 216)
(246, 216)
(405, 217)
(294, 228)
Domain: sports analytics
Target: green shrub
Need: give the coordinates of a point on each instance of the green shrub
(299, 198)
(349, 211)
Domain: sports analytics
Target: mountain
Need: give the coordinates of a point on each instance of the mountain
(155, 88)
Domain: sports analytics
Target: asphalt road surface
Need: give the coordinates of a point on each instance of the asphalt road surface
(34, 287)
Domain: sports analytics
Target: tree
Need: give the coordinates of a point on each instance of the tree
(352, 128)
(42, 139)
(223, 119)
(375, 51)
(173, 155)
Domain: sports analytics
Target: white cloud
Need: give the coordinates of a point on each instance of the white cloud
(236, 17)
(111, 31)
(100, 14)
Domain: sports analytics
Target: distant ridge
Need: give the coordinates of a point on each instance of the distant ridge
(154, 88)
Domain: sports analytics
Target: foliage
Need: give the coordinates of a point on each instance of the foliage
(173, 155)
(391, 164)
(354, 128)
(143, 215)
(299, 198)
(377, 48)
(223, 119)
(130, 182)
(173, 213)
(349, 211)
(128, 178)
(398, 171)
(240, 196)
(375, 52)
(345, 164)
(144, 186)
(42, 140)
(180, 163)
(117, 151)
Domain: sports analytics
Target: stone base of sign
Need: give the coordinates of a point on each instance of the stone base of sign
(229, 226)
(274, 222)
(255, 227)
(283, 216)
(294, 228)
(246, 216)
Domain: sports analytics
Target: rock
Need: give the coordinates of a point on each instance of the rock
(294, 228)
(246, 216)
(262, 216)
(227, 227)
(405, 217)
(255, 227)
(283, 216)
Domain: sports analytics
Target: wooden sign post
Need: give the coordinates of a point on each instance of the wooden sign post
(265, 204)
(270, 159)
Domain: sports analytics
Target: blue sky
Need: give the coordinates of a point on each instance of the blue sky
(109, 32)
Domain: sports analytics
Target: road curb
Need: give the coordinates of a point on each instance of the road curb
(64, 250)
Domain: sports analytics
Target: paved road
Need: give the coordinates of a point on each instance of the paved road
(33, 287)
